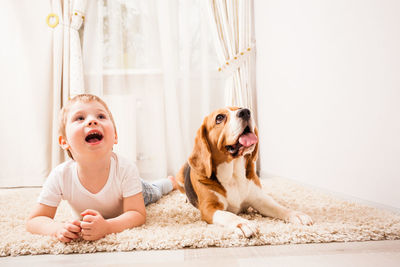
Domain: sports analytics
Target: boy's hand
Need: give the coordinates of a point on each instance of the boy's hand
(94, 226)
(69, 231)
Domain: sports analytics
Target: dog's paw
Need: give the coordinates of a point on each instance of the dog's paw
(240, 226)
(298, 217)
(246, 229)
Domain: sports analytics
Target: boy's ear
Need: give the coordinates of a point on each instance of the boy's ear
(63, 142)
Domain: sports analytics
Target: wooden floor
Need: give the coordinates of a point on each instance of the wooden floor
(373, 253)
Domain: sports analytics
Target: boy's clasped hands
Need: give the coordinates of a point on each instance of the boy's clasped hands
(92, 227)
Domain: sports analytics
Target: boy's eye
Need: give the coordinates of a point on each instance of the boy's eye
(101, 116)
(79, 118)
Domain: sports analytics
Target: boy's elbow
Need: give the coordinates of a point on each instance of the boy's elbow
(137, 218)
(28, 225)
(143, 219)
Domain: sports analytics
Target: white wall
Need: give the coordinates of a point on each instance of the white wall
(328, 86)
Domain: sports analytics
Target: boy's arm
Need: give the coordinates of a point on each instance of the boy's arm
(134, 214)
(94, 226)
(40, 221)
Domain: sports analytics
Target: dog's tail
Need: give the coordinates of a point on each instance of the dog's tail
(180, 177)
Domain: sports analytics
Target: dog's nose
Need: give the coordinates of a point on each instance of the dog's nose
(244, 113)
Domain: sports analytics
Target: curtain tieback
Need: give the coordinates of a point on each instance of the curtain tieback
(78, 14)
(76, 79)
(232, 64)
(77, 19)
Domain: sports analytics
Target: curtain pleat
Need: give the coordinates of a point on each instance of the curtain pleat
(232, 21)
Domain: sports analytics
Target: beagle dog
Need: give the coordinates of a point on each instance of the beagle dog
(220, 178)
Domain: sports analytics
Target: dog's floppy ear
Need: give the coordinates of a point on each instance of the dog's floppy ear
(200, 159)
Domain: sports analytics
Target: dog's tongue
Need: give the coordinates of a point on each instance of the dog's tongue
(248, 139)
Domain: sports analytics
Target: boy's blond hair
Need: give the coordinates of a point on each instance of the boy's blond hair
(85, 98)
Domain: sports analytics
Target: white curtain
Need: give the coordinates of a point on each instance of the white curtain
(39, 71)
(152, 61)
(74, 10)
(67, 61)
(26, 94)
(234, 39)
(154, 64)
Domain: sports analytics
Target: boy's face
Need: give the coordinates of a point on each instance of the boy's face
(89, 130)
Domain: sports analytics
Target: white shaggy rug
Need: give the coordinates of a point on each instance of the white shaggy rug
(172, 223)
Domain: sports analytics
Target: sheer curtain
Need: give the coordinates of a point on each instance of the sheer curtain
(26, 96)
(38, 68)
(154, 63)
(233, 29)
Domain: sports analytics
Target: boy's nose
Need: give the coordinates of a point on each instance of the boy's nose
(92, 123)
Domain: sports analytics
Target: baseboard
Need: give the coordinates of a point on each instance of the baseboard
(268, 175)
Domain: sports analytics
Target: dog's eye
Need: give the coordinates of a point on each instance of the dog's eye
(220, 118)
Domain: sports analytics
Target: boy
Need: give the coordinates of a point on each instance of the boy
(103, 189)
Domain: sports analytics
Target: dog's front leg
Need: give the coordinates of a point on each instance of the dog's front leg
(267, 206)
(239, 225)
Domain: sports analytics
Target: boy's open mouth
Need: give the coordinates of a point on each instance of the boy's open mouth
(94, 137)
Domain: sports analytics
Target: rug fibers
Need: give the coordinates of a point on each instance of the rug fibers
(173, 223)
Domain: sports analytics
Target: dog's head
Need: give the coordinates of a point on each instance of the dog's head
(225, 134)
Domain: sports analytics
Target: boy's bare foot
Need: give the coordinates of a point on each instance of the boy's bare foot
(173, 181)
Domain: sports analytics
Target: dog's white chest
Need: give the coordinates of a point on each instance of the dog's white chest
(232, 176)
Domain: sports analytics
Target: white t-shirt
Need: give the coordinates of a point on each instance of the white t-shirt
(63, 183)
